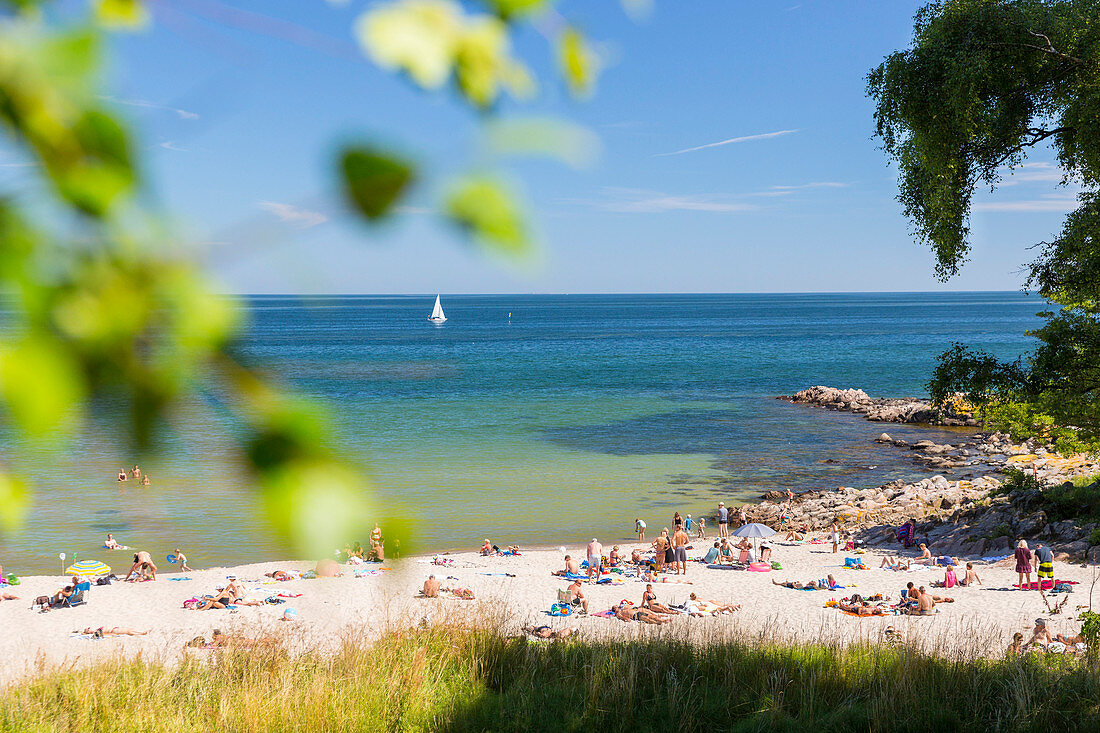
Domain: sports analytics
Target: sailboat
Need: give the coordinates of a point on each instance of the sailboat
(437, 313)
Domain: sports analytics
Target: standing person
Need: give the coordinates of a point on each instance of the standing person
(1045, 557)
(595, 558)
(659, 546)
(723, 519)
(1023, 563)
(677, 520)
(836, 537)
(680, 540)
(742, 516)
(182, 560)
(639, 527)
(687, 525)
(702, 525)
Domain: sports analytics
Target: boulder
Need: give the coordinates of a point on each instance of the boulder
(884, 438)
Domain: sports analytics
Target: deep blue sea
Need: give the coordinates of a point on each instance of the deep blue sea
(539, 419)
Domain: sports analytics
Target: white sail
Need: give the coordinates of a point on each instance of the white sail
(437, 312)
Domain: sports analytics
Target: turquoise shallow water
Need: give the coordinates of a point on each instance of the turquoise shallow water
(567, 420)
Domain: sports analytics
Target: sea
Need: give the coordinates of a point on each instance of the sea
(535, 420)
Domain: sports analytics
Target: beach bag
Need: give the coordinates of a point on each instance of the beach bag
(1063, 588)
(560, 609)
(192, 604)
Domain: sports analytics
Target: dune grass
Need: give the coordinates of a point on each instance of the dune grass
(452, 679)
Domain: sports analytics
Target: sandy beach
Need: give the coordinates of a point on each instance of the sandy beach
(511, 591)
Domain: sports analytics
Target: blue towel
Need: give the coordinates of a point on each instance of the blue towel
(995, 559)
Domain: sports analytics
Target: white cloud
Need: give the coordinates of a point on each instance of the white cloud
(1056, 202)
(294, 215)
(815, 184)
(169, 145)
(731, 141)
(635, 201)
(183, 114)
(1031, 173)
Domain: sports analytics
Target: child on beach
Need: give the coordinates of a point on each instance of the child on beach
(182, 560)
(701, 526)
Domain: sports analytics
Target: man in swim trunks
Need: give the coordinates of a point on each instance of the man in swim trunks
(925, 605)
(1045, 557)
(626, 612)
(723, 520)
(576, 596)
(971, 576)
(572, 567)
(431, 587)
(595, 559)
(680, 541)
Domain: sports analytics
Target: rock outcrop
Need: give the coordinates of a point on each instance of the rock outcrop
(881, 409)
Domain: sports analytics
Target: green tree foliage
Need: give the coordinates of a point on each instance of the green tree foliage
(985, 83)
(106, 310)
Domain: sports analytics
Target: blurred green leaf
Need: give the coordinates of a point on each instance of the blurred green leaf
(99, 171)
(373, 180)
(418, 37)
(13, 501)
(317, 505)
(543, 136)
(121, 14)
(484, 64)
(486, 209)
(578, 62)
(509, 9)
(41, 384)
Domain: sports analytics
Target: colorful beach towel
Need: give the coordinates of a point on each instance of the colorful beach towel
(1047, 584)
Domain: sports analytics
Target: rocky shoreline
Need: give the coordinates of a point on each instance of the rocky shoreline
(882, 409)
(972, 516)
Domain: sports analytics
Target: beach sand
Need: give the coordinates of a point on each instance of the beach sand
(512, 591)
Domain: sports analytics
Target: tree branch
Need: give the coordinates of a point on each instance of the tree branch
(1037, 136)
(1050, 48)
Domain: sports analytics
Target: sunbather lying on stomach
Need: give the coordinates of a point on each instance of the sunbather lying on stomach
(827, 584)
(113, 631)
(545, 632)
(698, 607)
(626, 612)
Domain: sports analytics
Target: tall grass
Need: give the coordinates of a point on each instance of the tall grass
(452, 679)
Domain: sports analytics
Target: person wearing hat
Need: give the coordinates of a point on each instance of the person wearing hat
(723, 520)
(1040, 635)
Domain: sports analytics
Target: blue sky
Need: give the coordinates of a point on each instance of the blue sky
(240, 105)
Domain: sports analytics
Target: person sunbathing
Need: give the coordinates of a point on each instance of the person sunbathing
(725, 552)
(649, 600)
(925, 556)
(625, 612)
(113, 631)
(65, 593)
(545, 632)
(699, 607)
(431, 588)
(637, 557)
(971, 576)
(1040, 635)
(827, 583)
(487, 548)
(282, 575)
(220, 639)
(614, 558)
(861, 606)
(8, 597)
(712, 555)
(572, 567)
(894, 563)
(794, 536)
(575, 596)
(744, 544)
(463, 593)
(1016, 648)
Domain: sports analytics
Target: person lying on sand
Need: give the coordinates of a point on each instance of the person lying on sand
(284, 575)
(545, 632)
(222, 640)
(971, 576)
(894, 563)
(636, 557)
(8, 597)
(626, 612)
(431, 588)
(572, 567)
(649, 600)
(113, 631)
(827, 583)
(464, 593)
(328, 568)
(698, 607)
(861, 606)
